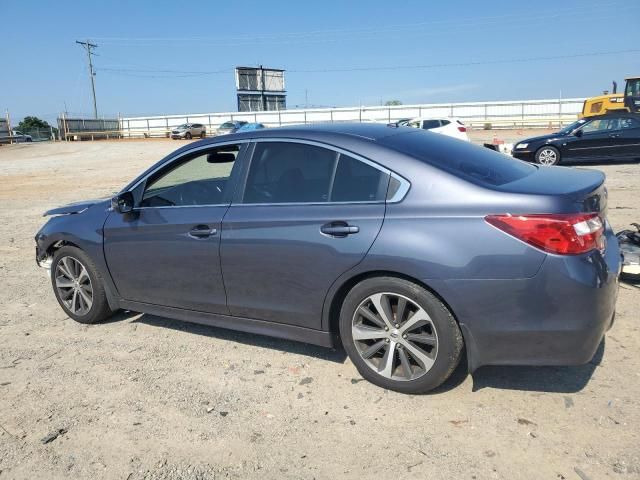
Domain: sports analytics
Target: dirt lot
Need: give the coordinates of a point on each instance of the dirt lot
(145, 397)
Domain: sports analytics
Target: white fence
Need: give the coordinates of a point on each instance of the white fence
(511, 114)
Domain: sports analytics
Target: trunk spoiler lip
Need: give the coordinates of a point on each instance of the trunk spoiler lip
(568, 182)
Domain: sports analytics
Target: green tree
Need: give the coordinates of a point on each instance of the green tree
(28, 123)
(392, 103)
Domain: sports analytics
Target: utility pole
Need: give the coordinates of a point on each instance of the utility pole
(88, 46)
(262, 95)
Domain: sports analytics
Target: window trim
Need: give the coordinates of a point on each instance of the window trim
(167, 165)
(397, 197)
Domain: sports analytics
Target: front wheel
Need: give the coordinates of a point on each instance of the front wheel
(548, 156)
(399, 336)
(187, 136)
(78, 286)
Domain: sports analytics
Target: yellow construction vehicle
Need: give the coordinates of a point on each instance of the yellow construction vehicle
(608, 102)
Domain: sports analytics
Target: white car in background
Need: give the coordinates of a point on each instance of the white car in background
(451, 127)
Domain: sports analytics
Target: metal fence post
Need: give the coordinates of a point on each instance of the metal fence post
(9, 127)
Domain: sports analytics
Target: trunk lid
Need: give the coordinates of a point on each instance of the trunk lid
(584, 188)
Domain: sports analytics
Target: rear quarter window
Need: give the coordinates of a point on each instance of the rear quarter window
(470, 162)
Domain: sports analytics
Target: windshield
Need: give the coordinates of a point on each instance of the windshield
(633, 88)
(183, 126)
(227, 125)
(570, 128)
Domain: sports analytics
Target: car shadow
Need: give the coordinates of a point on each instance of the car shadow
(337, 355)
(599, 163)
(535, 379)
(538, 379)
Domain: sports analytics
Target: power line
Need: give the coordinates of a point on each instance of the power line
(464, 64)
(392, 28)
(151, 73)
(88, 46)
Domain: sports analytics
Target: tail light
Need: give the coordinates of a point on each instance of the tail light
(562, 234)
(462, 129)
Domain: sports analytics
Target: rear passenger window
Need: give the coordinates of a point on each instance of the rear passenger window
(356, 181)
(429, 124)
(283, 172)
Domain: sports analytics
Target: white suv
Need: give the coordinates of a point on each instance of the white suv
(451, 127)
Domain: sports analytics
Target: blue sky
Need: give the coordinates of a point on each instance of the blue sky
(160, 57)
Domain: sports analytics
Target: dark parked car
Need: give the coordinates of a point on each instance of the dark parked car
(230, 127)
(611, 137)
(405, 245)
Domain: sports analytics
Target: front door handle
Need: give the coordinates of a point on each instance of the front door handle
(339, 229)
(614, 135)
(202, 231)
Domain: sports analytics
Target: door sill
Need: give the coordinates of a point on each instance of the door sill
(249, 325)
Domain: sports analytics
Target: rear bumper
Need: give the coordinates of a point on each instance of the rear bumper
(558, 317)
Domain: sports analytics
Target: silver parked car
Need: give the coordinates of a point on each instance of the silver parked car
(231, 126)
(188, 131)
(15, 137)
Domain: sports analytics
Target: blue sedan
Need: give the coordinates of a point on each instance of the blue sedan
(406, 247)
(250, 127)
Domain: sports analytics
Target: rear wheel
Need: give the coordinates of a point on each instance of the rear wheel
(399, 335)
(548, 156)
(78, 286)
(187, 136)
(203, 134)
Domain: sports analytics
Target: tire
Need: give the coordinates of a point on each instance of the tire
(423, 368)
(203, 134)
(548, 155)
(187, 135)
(29, 140)
(67, 263)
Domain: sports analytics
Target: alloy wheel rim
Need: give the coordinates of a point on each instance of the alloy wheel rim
(547, 157)
(74, 285)
(394, 336)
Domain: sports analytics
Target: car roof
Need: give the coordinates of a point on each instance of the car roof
(366, 131)
(435, 118)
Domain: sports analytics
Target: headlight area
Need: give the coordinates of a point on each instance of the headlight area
(521, 146)
(43, 257)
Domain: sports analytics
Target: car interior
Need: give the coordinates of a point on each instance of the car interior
(198, 180)
(293, 173)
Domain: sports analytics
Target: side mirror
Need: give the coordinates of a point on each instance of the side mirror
(578, 133)
(123, 202)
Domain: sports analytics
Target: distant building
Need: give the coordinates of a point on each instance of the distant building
(260, 89)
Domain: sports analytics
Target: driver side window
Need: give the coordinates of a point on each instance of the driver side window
(600, 125)
(197, 179)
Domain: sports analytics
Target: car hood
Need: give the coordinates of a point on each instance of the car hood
(542, 138)
(72, 208)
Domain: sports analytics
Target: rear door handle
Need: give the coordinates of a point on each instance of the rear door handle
(202, 231)
(614, 135)
(339, 229)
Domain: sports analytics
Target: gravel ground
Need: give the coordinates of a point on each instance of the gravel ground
(141, 397)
